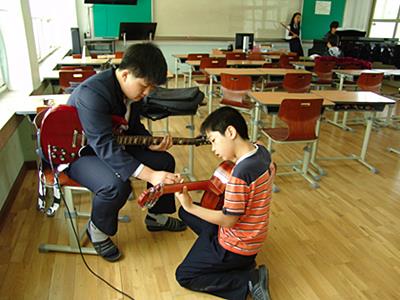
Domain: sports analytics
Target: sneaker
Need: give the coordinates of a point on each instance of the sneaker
(106, 249)
(259, 291)
(172, 224)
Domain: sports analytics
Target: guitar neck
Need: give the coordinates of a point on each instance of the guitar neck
(191, 186)
(152, 140)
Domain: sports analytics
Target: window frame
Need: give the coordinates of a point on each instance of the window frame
(396, 21)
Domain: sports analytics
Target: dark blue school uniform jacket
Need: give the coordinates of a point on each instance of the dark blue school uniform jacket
(97, 99)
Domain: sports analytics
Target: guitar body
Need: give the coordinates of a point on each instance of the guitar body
(63, 140)
(214, 189)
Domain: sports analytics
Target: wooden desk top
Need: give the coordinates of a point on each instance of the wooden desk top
(55, 75)
(29, 104)
(253, 71)
(275, 98)
(353, 97)
(69, 60)
(232, 62)
(307, 64)
(386, 72)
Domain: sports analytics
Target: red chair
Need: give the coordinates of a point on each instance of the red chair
(284, 61)
(234, 91)
(119, 54)
(195, 70)
(70, 77)
(301, 117)
(60, 182)
(297, 82)
(210, 62)
(235, 55)
(255, 56)
(324, 71)
(370, 82)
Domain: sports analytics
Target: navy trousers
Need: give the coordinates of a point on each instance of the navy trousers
(111, 193)
(210, 268)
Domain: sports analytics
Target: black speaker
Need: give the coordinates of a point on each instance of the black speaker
(76, 41)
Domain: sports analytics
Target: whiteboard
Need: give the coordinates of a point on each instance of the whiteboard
(223, 18)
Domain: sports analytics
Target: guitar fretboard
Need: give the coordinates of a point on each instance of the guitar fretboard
(154, 140)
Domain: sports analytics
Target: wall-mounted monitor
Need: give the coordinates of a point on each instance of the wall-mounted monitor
(248, 38)
(137, 31)
(126, 2)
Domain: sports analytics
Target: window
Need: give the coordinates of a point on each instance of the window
(385, 20)
(3, 64)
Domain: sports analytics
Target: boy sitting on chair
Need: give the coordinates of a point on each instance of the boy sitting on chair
(222, 260)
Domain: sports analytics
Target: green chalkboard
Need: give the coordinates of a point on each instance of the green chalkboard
(106, 18)
(316, 26)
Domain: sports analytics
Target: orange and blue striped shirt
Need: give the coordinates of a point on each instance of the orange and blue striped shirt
(248, 195)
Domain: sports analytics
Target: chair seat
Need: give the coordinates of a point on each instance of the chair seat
(282, 134)
(64, 179)
(246, 105)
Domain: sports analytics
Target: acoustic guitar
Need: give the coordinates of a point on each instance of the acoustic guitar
(62, 139)
(214, 189)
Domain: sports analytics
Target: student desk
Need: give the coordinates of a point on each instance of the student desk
(368, 102)
(244, 71)
(88, 61)
(351, 73)
(303, 64)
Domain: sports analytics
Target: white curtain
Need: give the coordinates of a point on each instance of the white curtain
(356, 14)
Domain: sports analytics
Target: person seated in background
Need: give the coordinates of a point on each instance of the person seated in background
(332, 40)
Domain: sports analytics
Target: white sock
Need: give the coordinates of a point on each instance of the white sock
(160, 218)
(96, 234)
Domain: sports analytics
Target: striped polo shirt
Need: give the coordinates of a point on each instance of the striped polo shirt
(248, 195)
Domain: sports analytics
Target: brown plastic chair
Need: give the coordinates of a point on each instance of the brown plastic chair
(235, 55)
(119, 54)
(324, 71)
(68, 77)
(297, 82)
(370, 82)
(210, 62)
(301, 117)
(234, 91)
(284, 61)
(195, 70)
(255, 56)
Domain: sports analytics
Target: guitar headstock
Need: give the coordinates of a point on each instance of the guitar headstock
(150, 196)
(201, 140)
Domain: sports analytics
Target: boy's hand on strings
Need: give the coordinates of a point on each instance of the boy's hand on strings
(184, 198)
(165, 144)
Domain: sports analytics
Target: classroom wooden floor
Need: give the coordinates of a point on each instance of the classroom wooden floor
(341, 241)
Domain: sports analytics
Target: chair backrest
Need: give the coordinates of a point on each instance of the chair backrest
(370, 82)
(270, 65)
(73, 76)
(284, 60)
(301, 117)
(255, 56)
(119, 54)
(235, 88)
(324, 69)
(297, 82)
(40, 112)
(197, 56)
(212, 62)
(235, 55)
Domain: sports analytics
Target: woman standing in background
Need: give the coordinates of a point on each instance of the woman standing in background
(294, 34)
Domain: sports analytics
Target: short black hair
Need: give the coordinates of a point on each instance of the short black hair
(334, 24)
(146, 61)
(223, 117)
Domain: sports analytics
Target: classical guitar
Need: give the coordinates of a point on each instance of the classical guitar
(214, 189)
(62, 138)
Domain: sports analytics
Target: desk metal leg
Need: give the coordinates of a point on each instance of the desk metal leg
(177, 60)
(364, 148)
(314, 152)
(188, 171)
(394, 150)
(210, 95)
(256, 121)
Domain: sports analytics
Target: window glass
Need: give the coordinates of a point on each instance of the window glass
(382, 29)
(386, 9)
